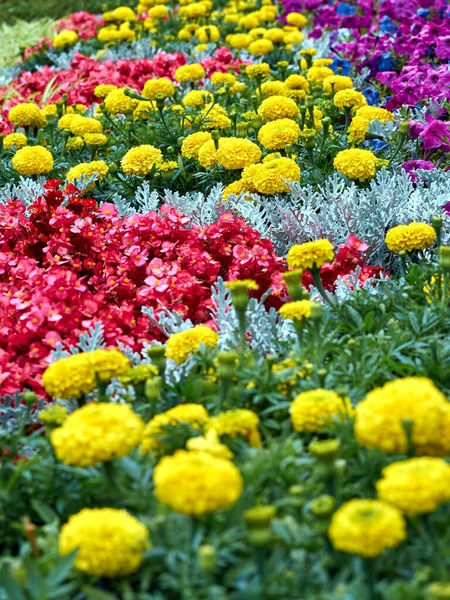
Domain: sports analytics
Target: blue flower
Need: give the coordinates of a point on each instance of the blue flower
(378, 145)
(372, 96)
(386, 62)
(387, 26)
(340, 63)
(423, 12)
(345, 10)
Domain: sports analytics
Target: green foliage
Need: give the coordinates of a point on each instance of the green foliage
(20, 35)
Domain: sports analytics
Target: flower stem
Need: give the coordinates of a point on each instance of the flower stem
(318, 283)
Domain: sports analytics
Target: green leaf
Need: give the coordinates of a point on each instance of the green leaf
(47, 514)
(369, 321)
(8, 584)
(62, 569)
(95, 594)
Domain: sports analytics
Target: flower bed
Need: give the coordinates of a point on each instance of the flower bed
(224, 304)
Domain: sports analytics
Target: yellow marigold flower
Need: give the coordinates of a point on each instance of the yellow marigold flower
(239, 40)
(95, 167)
(337, 83)
(319, 74)
(15, 140)
(356, 164)
(80, 125)
(249, 21)
(271, 177)
(289, 368)
(268, 13)
(236, 188)
(297, 310)
(65, 39)
(216, 117)
(27, 114)
(219, 78)
(320, 62)
(240, 422)
(239, 284)
(75, 375)
(315, 410)
(276, 134)
(75, 143)
(55, 414)
(66, 121)
(141, 159)
(121, 13)
(260, 47)
(50, 109)
(349, 99)
(95, 139)
(406, 238)
(275, 35)
(102, 90)
(197, 483)
(358, 129)
(139, 374)
(209, 443)
(193, 142)
(96, 433)
(297, 82)
(374, 113)
(273, 88)
(366, 528)
(158, 12)
(310, 255)
(208, 33)
(194, 414)
(144, 109)
(207, 155)
(32, 160)
(110, 542)
(261, 69)
(181, 344)
(162, 85)
(168, 165)
(197, 98)
(237, 153)
(380, 416)
(117, 102)
(297, 19)
(309, 52)
(293, 37)
(187, 73)
(415, 486)
(278, 107)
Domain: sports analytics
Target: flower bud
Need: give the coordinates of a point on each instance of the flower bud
(309, 101)
(60, 107)
(226, 364)
(403, 128)
(207, 558)
(324, 450)
(316, 311)
(293, 281)
(256, 123)
(29, 397)
(157, 354)
(112, 168)
(444, 258)
(131, 93)
(326, 122)
(323, 506)
(437, 222)
(438, 591)
(259, 516)
(153, 388)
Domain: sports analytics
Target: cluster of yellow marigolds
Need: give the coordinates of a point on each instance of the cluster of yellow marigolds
(288, 103)
(404, 416)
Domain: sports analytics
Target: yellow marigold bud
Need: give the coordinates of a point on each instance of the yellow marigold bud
(197, 483)
(96, 433)
(32, 160)
(193, 142)
(237, 153)
(181, 344)
(315, 410)
(96, 167)
(14, 141)
(380, 416)
(356, 164)
(406, 238)
(237, 423)
(415, 486)
(310, 255)
(297, 311)
(261, 69)
(194, 414)
(349, 99)
(75, 376)
(162, 86)
(275, 135)
(367, 527)
(139, 374)
(65, 39)
(27, 114)
(110, 542)
(54, 414)
(186, 73)
(278, 107)
(141, 159)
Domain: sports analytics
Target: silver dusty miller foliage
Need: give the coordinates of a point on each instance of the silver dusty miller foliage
(27, 190)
